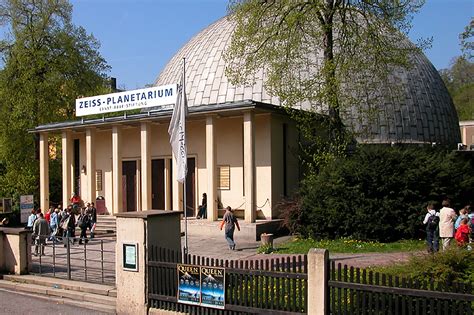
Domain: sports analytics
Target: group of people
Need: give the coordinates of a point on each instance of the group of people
(446, 225)
(57, 223)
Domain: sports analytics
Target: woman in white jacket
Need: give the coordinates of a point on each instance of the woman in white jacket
(447, 216)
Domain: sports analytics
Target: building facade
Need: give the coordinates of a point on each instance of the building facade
(242, 146)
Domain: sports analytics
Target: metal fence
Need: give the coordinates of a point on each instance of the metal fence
(358, 291)
(266, 286)
(92, 261)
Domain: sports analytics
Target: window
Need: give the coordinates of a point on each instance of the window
(223, 177)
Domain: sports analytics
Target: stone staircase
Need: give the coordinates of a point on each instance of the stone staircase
(106, 225)
(97, 297)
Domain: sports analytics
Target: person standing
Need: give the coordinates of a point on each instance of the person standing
(462, 214)
(41, 231)
(53, 225)
(230, 222)
(92, 212)
(447, 215)
(47, 215)
(432, 222)
(31, 220)
(462, 233)
(75, 202)
(83, 222)
(203, 208)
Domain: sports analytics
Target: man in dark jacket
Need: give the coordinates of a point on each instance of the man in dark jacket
(41, 232)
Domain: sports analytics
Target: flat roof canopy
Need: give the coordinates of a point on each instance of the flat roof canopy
(224, 109)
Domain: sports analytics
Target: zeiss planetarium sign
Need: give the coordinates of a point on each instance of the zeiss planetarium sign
(136, 99)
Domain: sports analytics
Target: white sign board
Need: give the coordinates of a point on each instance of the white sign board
(130, 256)
(136, 99)
(26, 206)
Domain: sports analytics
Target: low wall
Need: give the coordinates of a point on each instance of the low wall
(15, 251)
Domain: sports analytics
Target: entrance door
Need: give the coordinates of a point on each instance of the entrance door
(191, 188)
(129, 185)
(158, 184)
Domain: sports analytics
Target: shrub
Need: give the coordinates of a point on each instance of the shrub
(453, 265)
(380, 193)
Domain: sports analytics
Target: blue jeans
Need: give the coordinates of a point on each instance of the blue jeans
(229, 236)
(432, 241)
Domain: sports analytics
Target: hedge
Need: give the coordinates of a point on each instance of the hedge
(380, 193)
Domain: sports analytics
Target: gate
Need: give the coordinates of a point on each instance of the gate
(270, 286)
(93, 261)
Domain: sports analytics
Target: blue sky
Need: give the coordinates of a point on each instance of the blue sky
(138, 37)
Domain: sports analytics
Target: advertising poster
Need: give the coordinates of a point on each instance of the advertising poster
(189, 286)
(212, 287)
(26, 206)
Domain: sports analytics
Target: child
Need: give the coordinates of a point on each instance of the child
(432, 221)
(462, 215)
(462, 233)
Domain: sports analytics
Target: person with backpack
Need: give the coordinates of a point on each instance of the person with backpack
(432, 222)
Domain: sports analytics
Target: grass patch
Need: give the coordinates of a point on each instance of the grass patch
(348, 245)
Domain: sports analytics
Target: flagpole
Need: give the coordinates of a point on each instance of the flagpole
(186, 175)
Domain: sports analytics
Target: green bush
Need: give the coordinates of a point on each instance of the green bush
(380, 193)
(453, 265)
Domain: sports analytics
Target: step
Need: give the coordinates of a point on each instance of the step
(78, 286)
(101, 303)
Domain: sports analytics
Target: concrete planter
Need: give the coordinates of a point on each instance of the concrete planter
(267, 239)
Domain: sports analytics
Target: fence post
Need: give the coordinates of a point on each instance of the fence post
(68, 258)
(318, 275)
(142, 229)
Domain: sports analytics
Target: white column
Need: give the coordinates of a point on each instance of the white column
(211, 167)
(90, 165)
(167, 177)
(145, 135)
(318, 276)
(464, 135)
(66, 166)
(177, 188)
(44, 171)
(117, 169)
(249, 166)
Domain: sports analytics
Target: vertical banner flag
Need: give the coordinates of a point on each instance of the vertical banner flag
(177, 131)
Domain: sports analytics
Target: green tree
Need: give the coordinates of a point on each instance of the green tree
(48, 63)
(332, 54)
(467, 40)
(459, 79)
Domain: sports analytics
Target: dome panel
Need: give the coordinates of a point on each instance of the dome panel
(422, 113)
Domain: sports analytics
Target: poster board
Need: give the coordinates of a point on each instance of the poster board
(189, 285)
(213, 287)
(26, 206)
(199, 285)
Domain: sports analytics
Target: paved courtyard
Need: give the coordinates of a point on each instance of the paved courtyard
(99, 255)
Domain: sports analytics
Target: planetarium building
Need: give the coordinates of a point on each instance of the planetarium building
(241, 144)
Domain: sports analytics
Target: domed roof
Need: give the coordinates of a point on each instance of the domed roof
(424, 114)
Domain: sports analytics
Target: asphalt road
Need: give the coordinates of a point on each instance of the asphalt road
(20, 304)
